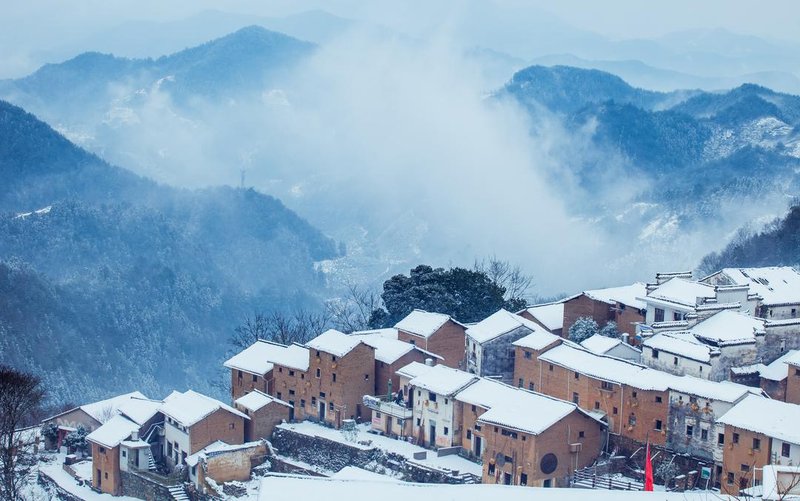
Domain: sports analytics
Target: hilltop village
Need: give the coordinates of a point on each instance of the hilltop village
(706, 372)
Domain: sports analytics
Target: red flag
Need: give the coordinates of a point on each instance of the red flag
(648, 470)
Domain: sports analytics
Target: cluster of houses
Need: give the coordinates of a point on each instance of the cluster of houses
(708, 369)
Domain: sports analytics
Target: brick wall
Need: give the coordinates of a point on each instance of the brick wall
(737, 455)
(355, 377)
(447, 342)
(526, 452)
(386, 372)
(235, 465)
(793, 385)
(263, 421)
(777, 389)
(293, 385)
(243, 382)
(105, 469)
(219, 425)
(472, 437)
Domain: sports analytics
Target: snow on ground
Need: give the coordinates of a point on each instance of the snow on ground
(54, 470)
(83, 470)
(452, 462)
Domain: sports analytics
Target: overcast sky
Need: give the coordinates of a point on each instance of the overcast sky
(36, 25)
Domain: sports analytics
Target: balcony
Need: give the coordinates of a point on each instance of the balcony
(383, 405)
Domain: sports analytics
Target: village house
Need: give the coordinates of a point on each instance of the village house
(548, 315)
(88, 416)
(128, 441)
(434, 332)
(341, 371)
(708, 349)
(771, 378)
(793, 379)
(265, 412)
(758, 432)
(223, 462)
(621, 305)
(437, 419)
(490, 351)
(535, 440)
(778, 289)
(391, 354)
(252, 368)
(612, 347)
(395, 417)
(194, 421)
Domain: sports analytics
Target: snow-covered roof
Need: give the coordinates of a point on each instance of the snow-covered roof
(103, 410)
(113, 431)
(413, 370)
(355, 473)
(259, 357)
(334, 342)
(537, 340)
(629, 295)
(683, 344)
(600, 344)
(778, 370)
(514, 407)
(388, 350)
(443, 380)
(282, 487)
(389, 332)
(551, 315)
(190, 407)
(422, 323)
(219, 447)
(497, 324)
(775, 284)
(255, 400)
(773, 418)
(729, 327)
(140, 410)
(722, 391)
(682, 292)
(794, 359)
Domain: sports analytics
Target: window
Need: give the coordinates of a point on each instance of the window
(302, 403)
(124, 453)
(432, 396)
(255, 378)
(279, 396)
(322, 394)
(632, 419)
(520, 383)
(735, 438)
(528, 355)
(102, 450)
(658, 400)
(523, 479)
(333, 377)
(474, 409)
(703, 434)
(291, 373)
(730, 478)
(333, 358)
(674, 360)
(412, 341)
(445, 401)
(658, 425)
(614, 411)
(655, 353)
(797, 372)
(692, 400)
(330, 406)
(744, 467)
(550, 368)
(794, 312)
(302, 375)
(507, 433)
(756, 444)
(596, 405)
(676, 316)
(786, 450)
(634, 394)
(280, 369)
(701, 368)
(531, 386)
(291, 392)
(508, 459)
(577, 376)
(240, 374)
(605, 385)
(446, 430)
(721, 439)
(418, 422)
(317, 353)
(477, 427)
(106, 474)
(659, 315)
(318, 372)
(689, 430)
(469, 434)
(231, 426)
(575, 398)
(491, 469)
(581, 434)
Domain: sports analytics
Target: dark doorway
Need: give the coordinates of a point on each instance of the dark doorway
(477, 445)
(322, 410)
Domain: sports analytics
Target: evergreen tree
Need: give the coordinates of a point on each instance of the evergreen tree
(582, 329)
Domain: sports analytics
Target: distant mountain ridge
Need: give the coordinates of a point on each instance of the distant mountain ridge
(110, 271)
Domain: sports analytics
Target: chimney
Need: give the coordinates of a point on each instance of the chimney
(135, 435)
(429, 362)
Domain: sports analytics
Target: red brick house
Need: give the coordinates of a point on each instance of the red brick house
(252, 368)
(618, 304)
(434, 332)
(265, 412)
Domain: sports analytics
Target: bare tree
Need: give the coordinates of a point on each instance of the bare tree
(281, 327)
(249, 331)
(512, 278)
(352, 312)
(21, 395)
